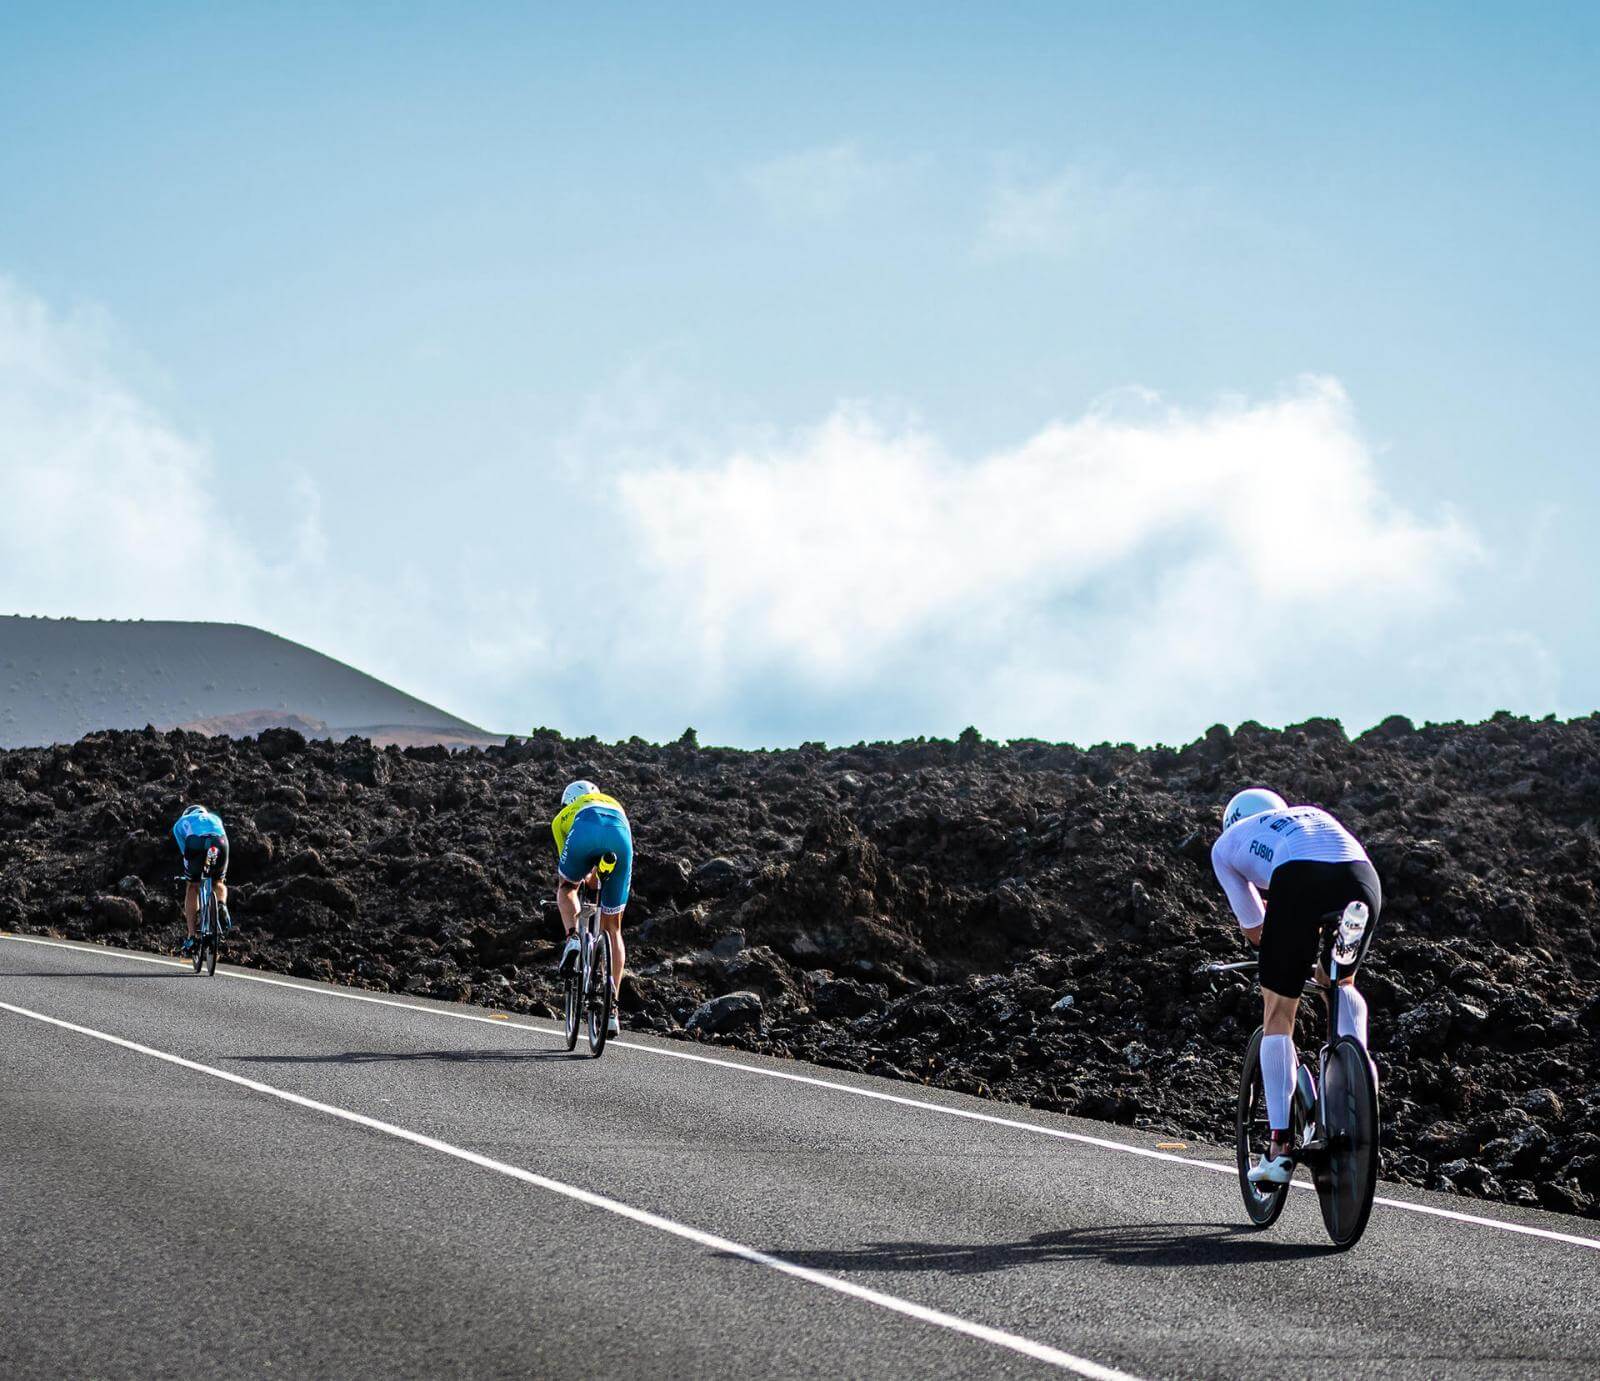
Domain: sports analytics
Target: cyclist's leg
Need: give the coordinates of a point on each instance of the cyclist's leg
(1288, 953)
(614, 889)
(1358, 883)
(219, 877)
(567, 902)
(611, 923)
(572, 868)
(193, 861)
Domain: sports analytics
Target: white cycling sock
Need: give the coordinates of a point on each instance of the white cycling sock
(1353, 1015)
(1277, 1074)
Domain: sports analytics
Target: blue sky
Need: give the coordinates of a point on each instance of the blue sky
(785, 372)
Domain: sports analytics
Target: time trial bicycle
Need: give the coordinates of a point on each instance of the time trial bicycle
(1335, 1122)
(590, 994)
(208, 923)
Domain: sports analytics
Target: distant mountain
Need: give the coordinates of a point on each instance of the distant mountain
(63, 678)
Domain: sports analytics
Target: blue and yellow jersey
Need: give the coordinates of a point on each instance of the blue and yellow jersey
(561, 826)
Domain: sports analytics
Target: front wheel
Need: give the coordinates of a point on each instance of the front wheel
(1350, 1108)
(600, 995)
(574, 1002)
(1252, 1131)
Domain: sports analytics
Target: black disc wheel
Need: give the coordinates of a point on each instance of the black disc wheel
(211, 955)
(1350, 1176)
(1252, 1131)
(599, 1004)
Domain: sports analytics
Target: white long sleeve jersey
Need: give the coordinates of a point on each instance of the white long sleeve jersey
(1250, 849)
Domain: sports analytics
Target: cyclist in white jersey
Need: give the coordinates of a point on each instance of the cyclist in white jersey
(1310, 866)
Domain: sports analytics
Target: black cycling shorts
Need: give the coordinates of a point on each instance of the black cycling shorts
(1303, 902)
(194, 856)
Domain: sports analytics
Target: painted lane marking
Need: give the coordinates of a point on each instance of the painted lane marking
(994, 1119)
(1027, 1347)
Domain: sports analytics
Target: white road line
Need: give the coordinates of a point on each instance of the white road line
(1027, 1347)
(1105, 1143)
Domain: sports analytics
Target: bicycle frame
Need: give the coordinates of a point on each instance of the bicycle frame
(588, 933)
(595, 995)
(208, 926)
(1334, 1123)
(1310, 1106)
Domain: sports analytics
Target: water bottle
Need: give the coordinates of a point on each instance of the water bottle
(1352, 926)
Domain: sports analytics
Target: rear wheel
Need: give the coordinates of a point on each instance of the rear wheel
(1350, 1177)
(200, 934)
(599, 1004)
(211, 954)
(1252, 1132)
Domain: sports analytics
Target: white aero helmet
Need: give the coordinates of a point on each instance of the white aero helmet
(1251, 801)
(575, 790)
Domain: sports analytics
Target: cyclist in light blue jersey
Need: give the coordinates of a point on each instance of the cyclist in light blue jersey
(196, 832)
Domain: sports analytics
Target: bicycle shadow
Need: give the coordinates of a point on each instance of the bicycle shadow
(1125, 1244)
(364, 1057)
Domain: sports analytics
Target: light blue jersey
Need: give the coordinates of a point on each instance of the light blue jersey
(195, 823)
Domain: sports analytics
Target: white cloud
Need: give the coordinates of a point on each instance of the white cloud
(818, 184)
(1071, 209)
(107, 510)
(1103, 579)
(102, 504)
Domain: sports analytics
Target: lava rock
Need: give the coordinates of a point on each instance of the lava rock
(116, 913)
(715, 876)
(942, 898)
(725, 1014)
(845, 998)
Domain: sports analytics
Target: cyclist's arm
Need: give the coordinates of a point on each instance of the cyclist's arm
(1241, 892)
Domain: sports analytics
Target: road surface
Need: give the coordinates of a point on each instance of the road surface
(249, 1175)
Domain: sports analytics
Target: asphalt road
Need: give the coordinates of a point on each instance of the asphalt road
(260, 1176)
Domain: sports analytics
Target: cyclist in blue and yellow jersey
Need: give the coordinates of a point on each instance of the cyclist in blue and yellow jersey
(589, 826)
(196, 831)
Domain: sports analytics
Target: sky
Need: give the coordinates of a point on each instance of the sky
(820, 372)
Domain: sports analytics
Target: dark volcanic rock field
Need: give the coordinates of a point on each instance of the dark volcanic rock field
(1026, 921)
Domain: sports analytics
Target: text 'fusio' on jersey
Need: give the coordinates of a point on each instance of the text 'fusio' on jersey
(1249, 850)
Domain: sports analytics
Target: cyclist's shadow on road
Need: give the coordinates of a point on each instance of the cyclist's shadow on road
(366, 1057)
(1129, 1244)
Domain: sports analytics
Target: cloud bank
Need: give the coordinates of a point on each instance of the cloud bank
(102, 505)
(1105, 579)
(1132, 574)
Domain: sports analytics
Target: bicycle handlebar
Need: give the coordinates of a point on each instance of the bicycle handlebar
(1250, 965)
